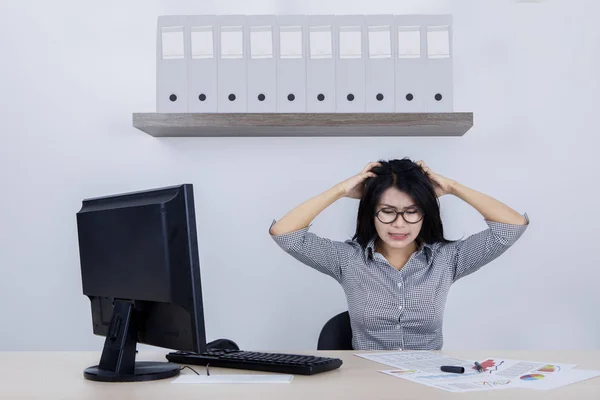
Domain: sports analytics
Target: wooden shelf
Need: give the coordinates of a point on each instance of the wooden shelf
(303, 124)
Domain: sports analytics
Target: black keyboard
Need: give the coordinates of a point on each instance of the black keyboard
(294, 364)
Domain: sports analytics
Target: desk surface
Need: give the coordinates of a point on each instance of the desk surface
(59, 375)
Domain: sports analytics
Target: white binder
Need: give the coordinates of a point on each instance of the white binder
(380, 92)
(410, 64)
(232, 64)
(261, 63)
(320, 64)
(202, 67)
(171, 64)
(438, 79)
(350, 63)
(291, 63)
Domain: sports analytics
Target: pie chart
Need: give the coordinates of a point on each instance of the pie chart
(548, 368)
(532, 377)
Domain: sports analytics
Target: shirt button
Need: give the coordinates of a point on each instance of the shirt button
(399, 284)
(399, 307)
(398, 326)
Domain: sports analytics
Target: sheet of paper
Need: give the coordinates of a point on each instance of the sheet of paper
(424, 367)
(527, 374)
(563, 379)
(271, 378)
(422, 361)
(468, 382)
(517, 368)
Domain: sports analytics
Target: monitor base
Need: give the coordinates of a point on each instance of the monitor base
(117, 362)
(144, 371)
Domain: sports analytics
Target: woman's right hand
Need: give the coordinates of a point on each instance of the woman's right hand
(353, 187)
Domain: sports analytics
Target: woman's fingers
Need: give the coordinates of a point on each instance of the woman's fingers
(371, 165)
(424, 166)
(368, 174)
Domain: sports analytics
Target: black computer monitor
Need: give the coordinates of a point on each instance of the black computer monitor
(140, 269)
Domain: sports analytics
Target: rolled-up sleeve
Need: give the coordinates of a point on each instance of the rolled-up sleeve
(325, 255)
(483, 247)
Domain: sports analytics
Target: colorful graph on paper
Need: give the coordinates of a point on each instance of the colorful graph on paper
(532, 377)
(549, 368)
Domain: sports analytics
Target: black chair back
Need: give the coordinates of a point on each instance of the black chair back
(336, 333)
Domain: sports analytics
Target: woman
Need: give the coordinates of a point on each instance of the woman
(398, 268)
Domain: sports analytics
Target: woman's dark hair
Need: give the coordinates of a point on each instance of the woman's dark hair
(408, 177)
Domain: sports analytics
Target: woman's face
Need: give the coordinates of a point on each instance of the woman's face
(399, 233)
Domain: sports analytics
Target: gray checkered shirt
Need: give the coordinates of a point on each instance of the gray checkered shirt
(394, 309)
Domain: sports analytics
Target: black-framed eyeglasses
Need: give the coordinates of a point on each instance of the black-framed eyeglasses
(388, 215)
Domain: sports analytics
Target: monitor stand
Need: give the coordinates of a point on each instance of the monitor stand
(117, 363)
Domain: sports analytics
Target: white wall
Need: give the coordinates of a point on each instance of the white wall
(72, 73)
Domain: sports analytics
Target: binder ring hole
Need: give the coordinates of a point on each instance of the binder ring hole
(261, 97)
(321, 97)
(379, 97)
(409, 97)
(291, 97)
(350, 97)
(438, 97)
(173, 97)
(231, 97)
(202, 97)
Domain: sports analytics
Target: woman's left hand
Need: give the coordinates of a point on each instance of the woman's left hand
(442, 184)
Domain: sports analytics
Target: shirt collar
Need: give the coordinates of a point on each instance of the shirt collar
(426, 247)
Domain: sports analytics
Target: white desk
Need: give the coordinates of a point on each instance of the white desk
(59, 375)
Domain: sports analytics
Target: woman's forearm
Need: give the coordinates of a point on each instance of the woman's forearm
(302, 215)
(490, 208)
